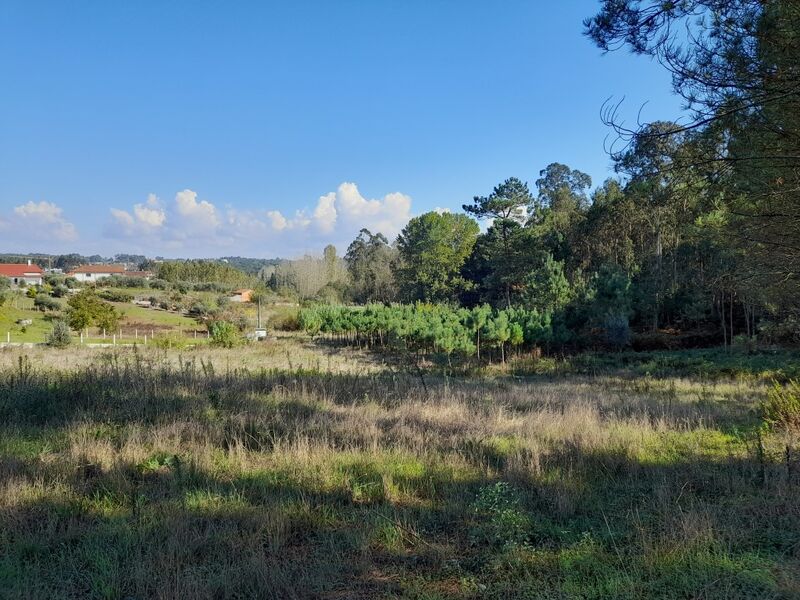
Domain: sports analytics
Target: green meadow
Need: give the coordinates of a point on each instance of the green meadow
(269, 472)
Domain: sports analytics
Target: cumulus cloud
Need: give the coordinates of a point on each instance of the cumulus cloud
(201, 214)
(387, 215)
(277, 220)
(144, 219)
(325, 214)
(42, 221)
(199, 226)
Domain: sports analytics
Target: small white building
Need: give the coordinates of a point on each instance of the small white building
(91, 273)
(27, 274)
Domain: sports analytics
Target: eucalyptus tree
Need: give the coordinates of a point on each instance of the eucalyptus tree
(432, 249)
(370, 260)
(734, 62)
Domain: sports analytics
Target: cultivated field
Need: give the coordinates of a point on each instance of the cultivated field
(292, 470)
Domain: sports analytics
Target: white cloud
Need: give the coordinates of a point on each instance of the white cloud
(198, 227)
(152, 217)
(145, 220)
(387, 215)
(277, 220)
(201, 214)
(325, 214)
(42, 221)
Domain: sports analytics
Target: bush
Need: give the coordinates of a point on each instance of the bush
(224, 334)
(500, 520)
(199, 310)
(60, 290)
(45, 303)
(159, 284)
(116, 296)
(60, 336)
(169, 341)
(286, 320)
(781, 409)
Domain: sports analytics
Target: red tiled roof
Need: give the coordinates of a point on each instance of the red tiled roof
(138, 273)
(98, 269)
(15, 270)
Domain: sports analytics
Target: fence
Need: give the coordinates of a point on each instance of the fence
(101, 337)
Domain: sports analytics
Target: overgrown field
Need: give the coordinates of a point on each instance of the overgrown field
(153, 475)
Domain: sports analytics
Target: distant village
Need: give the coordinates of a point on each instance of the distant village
(24, 274)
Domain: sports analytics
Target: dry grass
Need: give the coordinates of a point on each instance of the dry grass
(149, 475)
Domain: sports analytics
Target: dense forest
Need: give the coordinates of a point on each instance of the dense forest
(698, 234)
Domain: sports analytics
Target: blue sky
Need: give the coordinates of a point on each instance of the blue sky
(270, 129)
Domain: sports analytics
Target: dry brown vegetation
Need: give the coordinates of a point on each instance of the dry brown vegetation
(149, 474)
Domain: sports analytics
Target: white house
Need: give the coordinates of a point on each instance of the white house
(90, 273)
(28, 274)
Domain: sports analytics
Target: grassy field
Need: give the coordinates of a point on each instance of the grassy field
(290, 470)
(146, 320)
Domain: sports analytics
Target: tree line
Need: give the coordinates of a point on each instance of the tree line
(699, 230)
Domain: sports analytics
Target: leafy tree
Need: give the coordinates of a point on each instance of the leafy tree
(562, 189)
(735, 65)
(370, 260)
(432, 249)
(87, 309)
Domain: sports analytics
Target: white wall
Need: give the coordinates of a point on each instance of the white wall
(84, 277)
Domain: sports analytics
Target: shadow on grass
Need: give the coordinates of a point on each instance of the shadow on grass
(589, 524)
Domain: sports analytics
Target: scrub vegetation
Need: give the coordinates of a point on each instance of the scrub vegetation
(165, 474)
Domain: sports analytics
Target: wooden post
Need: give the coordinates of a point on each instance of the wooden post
(8, 337)
(81, 337)
(114, 339)
(195, 334)
(104, 333)
(136, 333)
(145, 339)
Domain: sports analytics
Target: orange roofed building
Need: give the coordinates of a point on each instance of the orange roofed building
(20, 273)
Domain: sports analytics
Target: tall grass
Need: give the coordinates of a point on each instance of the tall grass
(147, 475)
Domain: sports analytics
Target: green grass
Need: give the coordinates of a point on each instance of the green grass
(133, 317)
(149, 474)
(158, 318)
(22, 308)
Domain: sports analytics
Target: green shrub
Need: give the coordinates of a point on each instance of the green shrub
(224, 334)
(116, 296)
(60, 290)
(169, 341)
(500, 521)
(45, 303)
(781, 409)
(60, 336)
